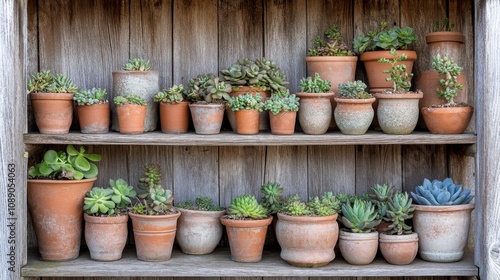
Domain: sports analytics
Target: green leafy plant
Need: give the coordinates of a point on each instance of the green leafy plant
(90, 97)
(155, 200)
(399, 210)
(109, 201)
(353, 90)
(201, 203)
(272, 197)
(175, 94)
(130, 98)
(441, 193)
(246, 207)
(385, 39)
(278, 103)
(445, 25)
(332, 46)
(314, 85)
(137, 64)
(45, 81)
(401, 81)
(70, 164)
(361, 216)
(208, 88)
(326, 205)
(380, 195)
(246, 101)
(449, 85)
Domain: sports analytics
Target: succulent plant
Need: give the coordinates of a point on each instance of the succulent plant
(201, 203)
(246, 101)
(401, 81)
(380, 195)
(326, 205)
(208, 88)
(385, 39)
(70, 164)
(45, 81)
(175, 94)
(445, 25)
(275, 78)
(130, 98)
(278, 103)
(441, 193)
(156, 200)
(314, 85)
(361, 216)
(399, 210)
(449, 85)
(137, 64)
(272, 198)
(333, 46)
(353, 90)
(90, 97)
(109, 201)
(246, 207)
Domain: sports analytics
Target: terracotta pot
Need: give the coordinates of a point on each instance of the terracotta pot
(53, 111)
(451, 120)
(358, 248)
(336, 69)
(315, 113)
(375, 70)
(131, 118)
(445, 42)
(354, 116)
(154, 236)
(264, 117)
(199, 232)
(207, 118)
(283, 123)
(399, 249)
(56, 208)
(246, 238)
(398, 113)
(94, 118)
(247, 121)
(307, 241)
(174, 117)
(106, 236)
(143, 83)
(443, 231)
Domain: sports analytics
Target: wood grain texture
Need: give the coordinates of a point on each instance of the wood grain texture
(378, 165)
(419, 162)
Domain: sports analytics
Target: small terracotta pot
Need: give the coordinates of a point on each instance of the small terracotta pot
(398, 113)
(247, 121)
(154, 236)
(207, 118)
(131, 118)
(56, 208)
(106, 236)
(315, 113)
(174, 117)
(264, 117)
(450, 120)
(94, 118)
(53, 111)
(358, 248)
(399, 249)
(354, 116)
(445, 42)
(199, 232)
(246, 238)
(283, 123)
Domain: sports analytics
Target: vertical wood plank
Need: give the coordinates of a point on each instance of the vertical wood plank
(378, 164)
(32, 58)
(423, 161)
(113, 164)
(139, 156)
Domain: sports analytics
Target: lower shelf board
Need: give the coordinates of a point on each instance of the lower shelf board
(219, 264)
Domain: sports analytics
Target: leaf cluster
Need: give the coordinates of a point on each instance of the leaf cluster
(450, 70)
(175, 94)
(45, 81)
(314, 85)
(109, 201)
(353, 90)
(137, 64)
(155, 200)
(201, 203)
(246, 101)
(90, 97)
(331, 45)
(326, 205)
(401, 81)
(361, 216)
(282, 101)
(445, 25)
(441, 193)
(398, 212)
(246, 207)
(272, 197)
(208, 88)
(385, 39)
(130, 98)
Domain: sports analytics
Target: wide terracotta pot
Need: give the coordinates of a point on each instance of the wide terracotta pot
(315, 113)
(207, 118)
(445, 42)
(56, 209)
(398, 113)
(53, 111)
(246, 238)
(307, 241)
(375, 70)
(358, 248)
(354, 116)
(247, 121)
(174, 117)
(131, 118)
(264, 117)
(154, 236)
(283, 123)
(450, 120)
(443, 231)
(94, 118)
(199, 232)
(399, 249)
(106, 236)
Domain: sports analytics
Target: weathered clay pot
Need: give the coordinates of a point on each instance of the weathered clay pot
(199, 232)
(53, 111)
(264, 117)
(56, 208)
(398, 113)
(174, 117)
(450, 120)
(315, 113)
(399, 249)
(207, 118)
(443, 231)
(154, 236)
(143, 83)
(445, 42)
(358, 248)
(283, 123)
(106, 236)
(307, 241)
(247, 121)
(131, 118)
(354, 116)
(246, 238)
(94, 118)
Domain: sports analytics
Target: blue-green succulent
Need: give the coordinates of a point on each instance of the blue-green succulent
(441, 193)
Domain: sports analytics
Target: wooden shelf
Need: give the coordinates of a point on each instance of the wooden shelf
(261, 139)
(219, 264)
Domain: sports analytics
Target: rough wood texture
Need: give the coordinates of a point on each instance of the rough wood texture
(421, 162)
(378, 165)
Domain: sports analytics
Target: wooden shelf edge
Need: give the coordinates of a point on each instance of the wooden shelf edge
(219, 264)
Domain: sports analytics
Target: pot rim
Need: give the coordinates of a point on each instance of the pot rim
(106, 220)
(391, 238)
(153, 217)
(51, 95)
(347, 235)
(445, 36)
(451, 109)
(134, 72)
(355, 101)
(306, 95)
(246, 223)
(350, 58)
(190, 211)
(54, 181)
(307, 219)
(222, 105)
(380, 95)
(376, 55)
(443, 208)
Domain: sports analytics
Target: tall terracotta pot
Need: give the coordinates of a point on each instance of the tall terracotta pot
(94, 118)
(106, 236)
(131, 118)
(354, 116)
(264, 117)
(207, 118)
(174, 117)
(56, 209)
(445, 42)
(154, 236)
(283, 123)
(399, 249)
(447, 120)
(199, 232)
(53, 111)
(246, 238)
(247, 121)
(398, 113)
(358, 248)
(315, 113)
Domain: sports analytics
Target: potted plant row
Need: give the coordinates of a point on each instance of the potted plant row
(93, 110)
(131, 112)
(354, 112)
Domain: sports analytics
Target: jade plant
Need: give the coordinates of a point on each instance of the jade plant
(246, 101)
(45, 81)
(155, 200)
(201, 203)
(109, 201)
(208, 88)
(314, 84)
(444, 25)
(174, 94)
(385, 39)
(399, 211)
(449, 86)
(441, 193)
(331, 45)
(272, 197)
(130, 98)
(90, 97)
(326, 205)
(71, 164)
(137, 64)
(353, 90)
(361, 216)
(401, 81)
(246, 207)
(282, 101)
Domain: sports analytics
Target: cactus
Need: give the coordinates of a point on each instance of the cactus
(137, 64)
(175, 94)
(399, 210)
(156, 200)
(272, 198)
(201, 203)
(130, 98)
(360, 217)
(90, 97)
(246, 207)
(441, 193)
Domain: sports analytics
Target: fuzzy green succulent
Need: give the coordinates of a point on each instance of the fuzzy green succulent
(449, 85)
(130, 98)
(332, 46)
(155, 200)
(361, 216)
(282, 103)
(272, 197)
(137, 64)
(326, 205)
(45, 81)
(399, 210)
(401, 81)
(109, 201)
(314, 84)
(90, 97)
(353, 90)
(246, 101)
(201, 203)
(175, 94)
(246, 207)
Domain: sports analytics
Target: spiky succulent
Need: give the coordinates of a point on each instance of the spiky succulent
(326, 205)
(332, 46)
(314, 84)
(441, 193)
(246, 101)
(156, 200)
(137, 64)
(90, 97)
(175, 94)
(130, 98)
(379, 196)
(108, 201)
(272, 198)
(201, 203)
(399, 210)
(361, 216)
(353, 90)
(246, 207)
(45, 81)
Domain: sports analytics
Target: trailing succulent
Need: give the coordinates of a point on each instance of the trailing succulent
(130, 98)
(314, 84)
(385, 39)
(246, 101)
(272, 197)
(156, 200)
(399, 210)
(109, 201)
(333, 46)
(201, 203)
(90, 97)
(246, 207)
(45, 81)
(353, 90)
(441, 193)
(361, 216)
(449, 85)
(137, 64)
(71, 164)
(326, 205)
(175, 94)
(208, 88)
(282, 101)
